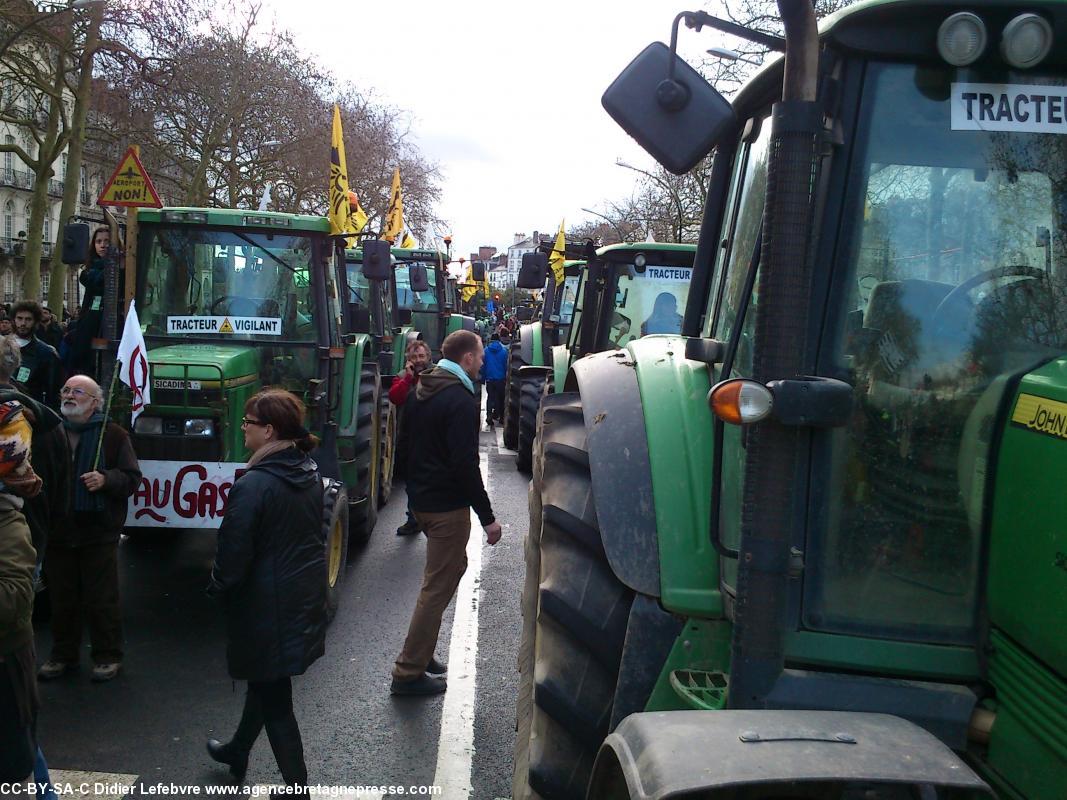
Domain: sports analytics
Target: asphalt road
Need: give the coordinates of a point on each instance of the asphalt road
(149, 725)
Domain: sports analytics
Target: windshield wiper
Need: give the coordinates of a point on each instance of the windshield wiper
(263, 250)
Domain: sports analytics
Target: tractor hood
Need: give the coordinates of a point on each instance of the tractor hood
(212, 365)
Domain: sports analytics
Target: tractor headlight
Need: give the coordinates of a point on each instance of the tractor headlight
(962, 38)
(152, 426)
(199, 427)
(1026, 41)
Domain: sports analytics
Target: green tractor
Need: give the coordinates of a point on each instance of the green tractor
(431, 311)
(532, 346)
(624, 291)
(230, 302)
(813, 547)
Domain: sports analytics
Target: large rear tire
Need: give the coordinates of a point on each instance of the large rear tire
(531, 389)
(363, 513)
(511, 400)
(387, 418)
(335, 536)
(575, 613)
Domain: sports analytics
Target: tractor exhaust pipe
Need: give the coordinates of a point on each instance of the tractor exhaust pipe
(773, 467)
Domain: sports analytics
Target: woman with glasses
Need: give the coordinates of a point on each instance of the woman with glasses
(270, 572)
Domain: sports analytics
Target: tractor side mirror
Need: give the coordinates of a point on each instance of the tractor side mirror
(376, 260)
(478, 271)
(679, 120)
(533, 271)
(418, 279)
(75, 243)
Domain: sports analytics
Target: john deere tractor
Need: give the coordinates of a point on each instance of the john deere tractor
(231, 302)
(433, 311)
(622, 292)
(813, 546)
(534, 341)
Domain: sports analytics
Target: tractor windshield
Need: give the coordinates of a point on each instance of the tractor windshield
(216, 283)
(416, 301)
(649, 302)
(955, 284)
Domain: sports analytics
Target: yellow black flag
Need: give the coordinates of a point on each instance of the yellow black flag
(559, 255)
(394, 218)
(341, 220)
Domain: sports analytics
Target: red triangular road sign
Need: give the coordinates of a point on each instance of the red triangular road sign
(129, 185)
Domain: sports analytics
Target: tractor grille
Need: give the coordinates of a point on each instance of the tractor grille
(170, 447)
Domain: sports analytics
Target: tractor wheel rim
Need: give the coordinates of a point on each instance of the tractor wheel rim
(336, 546)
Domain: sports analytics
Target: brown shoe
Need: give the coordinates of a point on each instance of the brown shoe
(105, 672)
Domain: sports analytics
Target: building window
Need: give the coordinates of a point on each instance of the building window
(47, 234)
(26, 224)
(7, 283)
(46, 281)
(9, 221)
(63, 175)
(9, 158)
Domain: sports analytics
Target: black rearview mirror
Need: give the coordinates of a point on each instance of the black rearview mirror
(418, 279)
(478, 271)
(524, 313)
(677, 121)
(376, 259)
(533, 271)
(75, 243)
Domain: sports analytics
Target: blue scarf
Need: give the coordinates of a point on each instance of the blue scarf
(457, 370)
(89, 431)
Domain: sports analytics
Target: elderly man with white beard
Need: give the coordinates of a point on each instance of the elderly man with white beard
(81, 566)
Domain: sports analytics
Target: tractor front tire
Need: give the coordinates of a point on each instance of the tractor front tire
(335, 538)
(363, 513)
(571, 652)
(531, 389)
(511, 400)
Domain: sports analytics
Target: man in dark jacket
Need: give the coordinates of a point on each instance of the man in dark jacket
(49, 331)
(82, 561)
(41, 371)
(494, 372)
(444, 483)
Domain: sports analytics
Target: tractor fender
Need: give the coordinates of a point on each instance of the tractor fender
(532, 370)
(561, 362)
(663, 754)
(620, 466)
(526, 342)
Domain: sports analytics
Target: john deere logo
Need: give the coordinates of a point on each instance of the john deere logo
(1042, 415)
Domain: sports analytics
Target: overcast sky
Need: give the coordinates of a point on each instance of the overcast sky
(505, 96)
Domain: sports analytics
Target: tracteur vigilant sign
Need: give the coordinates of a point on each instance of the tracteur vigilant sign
(180, 494)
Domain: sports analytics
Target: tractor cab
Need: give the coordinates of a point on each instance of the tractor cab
(634, 290)
(230, 302)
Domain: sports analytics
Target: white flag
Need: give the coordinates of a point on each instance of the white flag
(265, 200)
(133, 363)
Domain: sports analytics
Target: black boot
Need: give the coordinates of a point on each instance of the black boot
(284, 735)
(234, 753)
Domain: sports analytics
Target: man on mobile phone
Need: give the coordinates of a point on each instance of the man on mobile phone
(417, 359)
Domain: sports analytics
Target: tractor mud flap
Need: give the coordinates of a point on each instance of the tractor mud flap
(650, 635)
(620, 466)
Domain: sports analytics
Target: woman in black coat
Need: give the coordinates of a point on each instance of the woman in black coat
(270, 571)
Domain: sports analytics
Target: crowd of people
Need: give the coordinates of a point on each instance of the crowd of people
(66, 474)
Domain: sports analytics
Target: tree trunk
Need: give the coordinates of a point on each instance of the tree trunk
(72, 179)
(47, 153)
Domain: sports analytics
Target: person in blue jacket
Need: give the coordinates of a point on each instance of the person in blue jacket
(494, 371)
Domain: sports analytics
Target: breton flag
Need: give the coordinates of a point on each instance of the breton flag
(341, 220)
(133, 363)
(394, 218)
(559, 255)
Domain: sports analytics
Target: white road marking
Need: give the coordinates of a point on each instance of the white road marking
(78, 783)
(455, 749)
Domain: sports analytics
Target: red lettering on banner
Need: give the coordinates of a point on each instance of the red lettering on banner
(188, 510)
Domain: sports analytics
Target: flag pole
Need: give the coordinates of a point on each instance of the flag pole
(107, 412)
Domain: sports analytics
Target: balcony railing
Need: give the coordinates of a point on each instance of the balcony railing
(55, 188)
(11, 246)
(18, 178)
